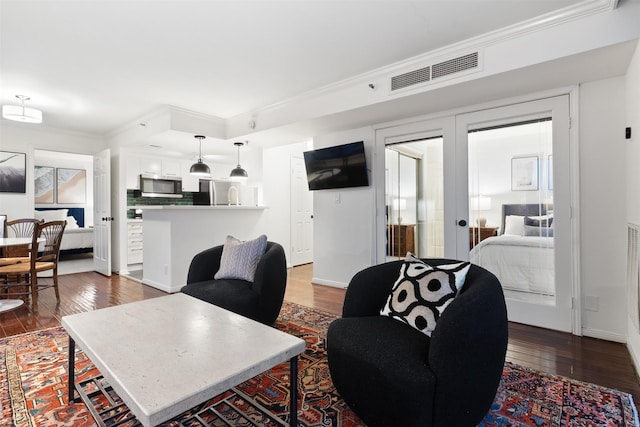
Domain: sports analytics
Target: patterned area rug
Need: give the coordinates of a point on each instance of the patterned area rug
(33, 382)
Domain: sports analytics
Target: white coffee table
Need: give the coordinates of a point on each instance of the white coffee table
(166, 355)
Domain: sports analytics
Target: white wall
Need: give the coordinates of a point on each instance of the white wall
(26, 138)
(603, 233)
(344, 226)
(633, 178)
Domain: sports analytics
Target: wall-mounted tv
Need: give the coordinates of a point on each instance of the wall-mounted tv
(337, 167)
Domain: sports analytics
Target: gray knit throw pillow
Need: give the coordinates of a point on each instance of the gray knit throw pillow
(240, 259)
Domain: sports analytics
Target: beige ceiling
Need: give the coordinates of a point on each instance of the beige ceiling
(94, 66)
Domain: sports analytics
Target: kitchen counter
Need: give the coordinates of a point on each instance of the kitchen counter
(174, 234)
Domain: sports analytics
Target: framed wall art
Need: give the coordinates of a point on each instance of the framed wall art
(44, 180)
(13, 172)
(524, 173)
(71, 185)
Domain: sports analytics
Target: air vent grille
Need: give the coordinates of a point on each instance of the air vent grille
(411, 78)
(456, 65)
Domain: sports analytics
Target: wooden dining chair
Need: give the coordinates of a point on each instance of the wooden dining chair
(22, 227)
(42, 257)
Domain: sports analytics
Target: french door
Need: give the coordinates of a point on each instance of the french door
(514, 181)
(498, 167)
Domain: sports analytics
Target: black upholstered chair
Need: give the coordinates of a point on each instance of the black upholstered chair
(391, 374)
(259, 300)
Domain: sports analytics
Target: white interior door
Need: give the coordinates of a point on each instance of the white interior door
(301, 214)
(102, 212)
(514, 172)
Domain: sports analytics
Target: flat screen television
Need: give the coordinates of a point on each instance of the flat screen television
(337, 167)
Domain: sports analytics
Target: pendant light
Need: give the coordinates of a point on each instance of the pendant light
(200, 168)
(238, 172)
(20, 113)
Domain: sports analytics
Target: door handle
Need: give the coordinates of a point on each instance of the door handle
(462, 223)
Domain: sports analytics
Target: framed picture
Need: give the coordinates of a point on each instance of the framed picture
(44, 177)
(13, 172)
(524, 173)
(72, 185)
(550, 172)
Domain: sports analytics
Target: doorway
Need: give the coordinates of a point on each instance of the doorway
(500, 165)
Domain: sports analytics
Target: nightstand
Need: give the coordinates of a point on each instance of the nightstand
(478, 234)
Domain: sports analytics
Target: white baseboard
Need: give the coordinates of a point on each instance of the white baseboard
(162, 286)
(604, 335)
(329, 283)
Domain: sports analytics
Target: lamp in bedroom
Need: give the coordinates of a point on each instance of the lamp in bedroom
(481, 204)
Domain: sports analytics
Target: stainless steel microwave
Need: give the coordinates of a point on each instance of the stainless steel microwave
(151, 186)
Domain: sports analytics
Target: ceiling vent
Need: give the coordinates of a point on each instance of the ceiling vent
(411, 78)
(435, 71)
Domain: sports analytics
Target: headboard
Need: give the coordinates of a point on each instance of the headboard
(533, 209)
(77, 213)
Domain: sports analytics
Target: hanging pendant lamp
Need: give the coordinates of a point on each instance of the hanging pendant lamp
(238, 172)
(200, 168)
(20, 113)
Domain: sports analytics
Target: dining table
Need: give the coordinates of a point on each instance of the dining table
(11, 304)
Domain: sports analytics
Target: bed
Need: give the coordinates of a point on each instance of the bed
(522, 255)
(76, 238)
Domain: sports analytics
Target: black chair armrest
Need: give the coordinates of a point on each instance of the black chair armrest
(270, 281)
(204, 265)
(368, 290)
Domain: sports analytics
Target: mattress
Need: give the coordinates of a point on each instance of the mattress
(77, 238)
(521, 263)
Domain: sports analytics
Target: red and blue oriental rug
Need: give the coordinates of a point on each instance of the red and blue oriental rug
(33, 379)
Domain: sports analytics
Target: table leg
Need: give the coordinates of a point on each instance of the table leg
(72, 367)
(293, 409)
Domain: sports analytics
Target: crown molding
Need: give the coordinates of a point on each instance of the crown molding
(540, 23)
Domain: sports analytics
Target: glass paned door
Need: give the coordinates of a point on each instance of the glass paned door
(414, 201)
(519, 207)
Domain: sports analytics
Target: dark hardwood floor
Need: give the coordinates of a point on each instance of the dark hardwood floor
(586, 359)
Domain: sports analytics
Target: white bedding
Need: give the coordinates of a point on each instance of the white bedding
(77, 238)
(520, 263)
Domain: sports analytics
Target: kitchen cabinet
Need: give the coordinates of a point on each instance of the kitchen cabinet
(190, 183)
(134, 242)
(132, 172)
(172, 168)
(150, 166)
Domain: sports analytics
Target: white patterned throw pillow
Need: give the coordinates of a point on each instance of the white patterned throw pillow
(240, 259)
(422, 292)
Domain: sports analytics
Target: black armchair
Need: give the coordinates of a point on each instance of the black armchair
(391, 374)
(259, 300)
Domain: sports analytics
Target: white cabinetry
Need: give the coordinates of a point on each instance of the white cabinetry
(150, 166)
(134, 242)
(133, 173)
(171, 168)
(190, 182)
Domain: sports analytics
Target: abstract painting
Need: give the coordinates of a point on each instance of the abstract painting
(524, 173)
(44, 184)
(13, 172)
(72, 184)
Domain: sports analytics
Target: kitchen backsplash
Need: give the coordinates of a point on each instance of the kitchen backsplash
(132, 200)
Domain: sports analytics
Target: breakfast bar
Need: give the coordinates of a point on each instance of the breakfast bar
(174, 234)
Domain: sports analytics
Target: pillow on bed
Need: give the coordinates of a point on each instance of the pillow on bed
(53, 215)
(530, 231)
(422, 292)
(71, 223)
(539, 221)
(514, 225)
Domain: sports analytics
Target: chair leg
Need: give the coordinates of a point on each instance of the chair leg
(55, 283)
(34, 290)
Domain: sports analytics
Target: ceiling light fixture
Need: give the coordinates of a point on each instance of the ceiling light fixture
(20, 113)
(200, 168)
(238, 172)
